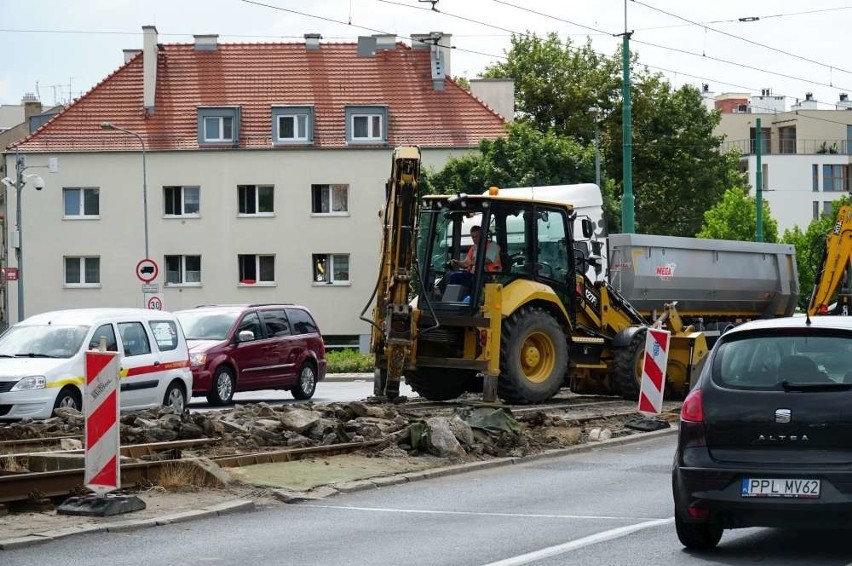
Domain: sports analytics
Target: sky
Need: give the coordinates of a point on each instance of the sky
(60, 49)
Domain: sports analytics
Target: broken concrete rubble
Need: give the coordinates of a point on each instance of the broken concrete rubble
(447, 432)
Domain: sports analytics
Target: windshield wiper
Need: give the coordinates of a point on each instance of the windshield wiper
(824, 386)
(6, 356)
(34, 355)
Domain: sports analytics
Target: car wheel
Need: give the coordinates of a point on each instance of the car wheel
(175, 397)
(68, 398)
(222, 392)
(698, 536)
(306, 384)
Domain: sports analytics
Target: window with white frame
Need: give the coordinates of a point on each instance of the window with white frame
(330, 199)
(256, 269)
(183, 269)
(82, 271)
(256, 199)
(366, 123)
(331, 268)
(81, 202)
(181, 201)
(218, 128)
(292, 124)
(218, 125)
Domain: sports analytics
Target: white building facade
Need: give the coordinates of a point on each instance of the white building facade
(246, 203)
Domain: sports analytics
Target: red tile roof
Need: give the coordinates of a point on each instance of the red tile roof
(258, 76)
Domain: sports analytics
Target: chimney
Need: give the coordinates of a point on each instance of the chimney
(312, 41)
(385, 41)
(32, 105)
(498, 94)
(130, 54)
(206, 42)
(149, 67)
(708, 97)
(844, 103)
(439, 45)
(807, 104)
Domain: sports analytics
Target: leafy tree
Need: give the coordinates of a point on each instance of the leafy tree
(810, 247)
(735, 218)
(678, 170)
(524, 157)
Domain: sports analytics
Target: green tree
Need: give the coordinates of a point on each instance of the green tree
(678, 169)
(735, 218)
(525, 157)
(810, 247)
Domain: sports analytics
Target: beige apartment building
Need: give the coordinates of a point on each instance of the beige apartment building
(248, 173)
(805, 151)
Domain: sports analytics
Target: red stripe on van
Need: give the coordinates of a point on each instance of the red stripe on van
(142, 370)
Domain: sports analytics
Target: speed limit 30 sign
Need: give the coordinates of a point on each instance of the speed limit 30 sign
(155, 302)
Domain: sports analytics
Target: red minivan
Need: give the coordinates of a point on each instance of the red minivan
(249, 347)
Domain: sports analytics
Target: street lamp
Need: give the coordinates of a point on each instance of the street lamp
(20, 181)
(111, 126)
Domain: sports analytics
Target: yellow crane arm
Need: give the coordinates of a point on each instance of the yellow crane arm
(834, 264)
(393, 320)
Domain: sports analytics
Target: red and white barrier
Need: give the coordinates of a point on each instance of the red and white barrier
(654, 371)
(102, 430)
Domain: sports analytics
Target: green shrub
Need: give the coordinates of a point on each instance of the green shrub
(348, 361)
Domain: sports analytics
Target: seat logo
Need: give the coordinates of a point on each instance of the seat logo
(783, 416)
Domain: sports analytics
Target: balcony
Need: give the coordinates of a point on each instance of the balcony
(773, 146)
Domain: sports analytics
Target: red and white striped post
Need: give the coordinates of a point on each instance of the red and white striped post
(102, 431)
(654, 371)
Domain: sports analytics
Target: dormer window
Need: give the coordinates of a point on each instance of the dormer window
(366, 124)
(218, 126)
(292, 124)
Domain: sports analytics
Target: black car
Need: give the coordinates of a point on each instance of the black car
(766, 433)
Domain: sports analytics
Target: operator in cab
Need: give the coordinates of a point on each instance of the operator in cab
(492, 254)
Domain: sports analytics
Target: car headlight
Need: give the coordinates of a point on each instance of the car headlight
(197, 359)
(29, 383)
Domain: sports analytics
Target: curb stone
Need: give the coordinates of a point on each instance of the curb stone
(243, 505)
(122, 526)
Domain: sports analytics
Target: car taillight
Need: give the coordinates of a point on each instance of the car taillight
(692, 410)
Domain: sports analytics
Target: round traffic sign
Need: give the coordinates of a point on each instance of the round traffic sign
(147, 270)
(155, 303)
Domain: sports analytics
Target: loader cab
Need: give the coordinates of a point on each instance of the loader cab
(519, 240)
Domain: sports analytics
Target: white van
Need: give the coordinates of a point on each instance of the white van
(42, 360)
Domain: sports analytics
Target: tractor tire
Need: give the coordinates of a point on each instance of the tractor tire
(439, 384)
(533, 357)
(628, 366)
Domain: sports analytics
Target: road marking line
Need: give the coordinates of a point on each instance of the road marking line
(478, 514)
(564, 548)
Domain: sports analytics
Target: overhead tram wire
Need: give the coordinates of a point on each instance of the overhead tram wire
(747, 19)
(486, 24)
(747, 40)
(743, 65)
(675, 49)
(374, 30)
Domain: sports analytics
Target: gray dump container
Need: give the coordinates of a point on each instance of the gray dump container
(709, 278)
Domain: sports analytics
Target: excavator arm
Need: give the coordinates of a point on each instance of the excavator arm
(394, 326)
(833, 267)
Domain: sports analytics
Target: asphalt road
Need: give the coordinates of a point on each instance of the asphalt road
(611, 506)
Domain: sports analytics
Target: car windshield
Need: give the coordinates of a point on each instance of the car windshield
(781, 361)
(207, 325)
(47, 341)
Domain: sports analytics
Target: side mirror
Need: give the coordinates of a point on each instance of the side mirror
(588, 229)
(245, 336)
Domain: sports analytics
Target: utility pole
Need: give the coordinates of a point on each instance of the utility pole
(758, 174)
(627, 201)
